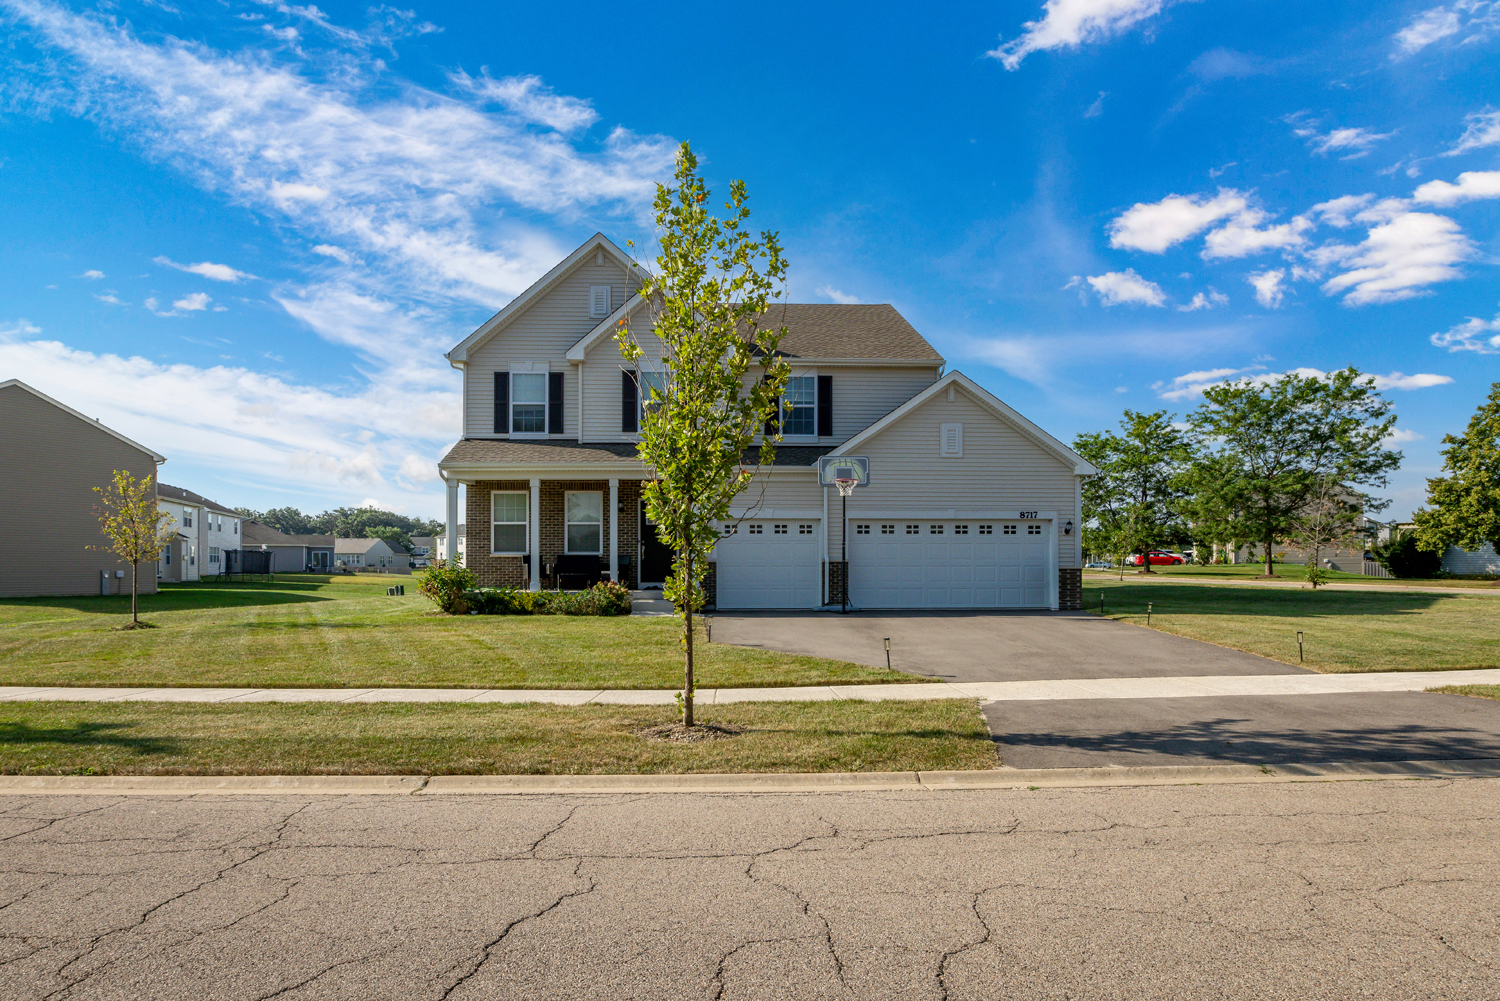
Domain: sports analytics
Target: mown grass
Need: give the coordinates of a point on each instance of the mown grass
(1343, 631)
(1473, 691)
(141, 738)
(306, 631)
(1289, 572)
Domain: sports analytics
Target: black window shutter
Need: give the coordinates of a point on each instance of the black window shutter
(502, 403)
(629, 405)
(774, 421)
(554, 403)
(825, 406)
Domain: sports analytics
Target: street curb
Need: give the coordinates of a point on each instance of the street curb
(808, 782)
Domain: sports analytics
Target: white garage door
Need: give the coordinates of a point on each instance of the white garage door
(949, 564)
(771, 564)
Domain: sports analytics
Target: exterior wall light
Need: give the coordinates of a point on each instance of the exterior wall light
(1068, 527)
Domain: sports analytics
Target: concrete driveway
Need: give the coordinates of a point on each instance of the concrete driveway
(991, 646)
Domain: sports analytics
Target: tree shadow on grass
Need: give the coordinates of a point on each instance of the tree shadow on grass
(83, 735)
(1174, 599)
(166, 601)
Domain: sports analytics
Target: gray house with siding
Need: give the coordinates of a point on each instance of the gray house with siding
(290, 553)
(968, 505)
(47, 523)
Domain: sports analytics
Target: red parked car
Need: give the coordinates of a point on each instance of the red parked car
(1158, 558)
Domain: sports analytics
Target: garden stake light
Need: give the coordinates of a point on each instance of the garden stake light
(1101, 602)
(887, 653)
(1299, 646)
(1148, 613)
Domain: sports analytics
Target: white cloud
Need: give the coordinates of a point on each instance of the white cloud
(1400, 436)
(1097, 108)
(109, 297)
(1193, 383)
(1118, 288)
(419, 469)
(1426, 28)
(192, 303)
(1242, 236)
(1473, 18)
(829, 292)
(337, 253)
(1421, 381)
(1217, 171)
(92, 275)
(1070, 23)
(1337, 211)
(1481, 129)
(530, 100)
(1354, 142)
(216, 272)
(1472, 185)
(1398, 259)
(1155, 226)
(1202, 301)
(1471, 336)
(1268, 286)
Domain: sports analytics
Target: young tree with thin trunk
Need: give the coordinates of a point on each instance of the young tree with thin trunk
(1135, 498)
(136, 528)
(1328, 520)
(1465, 508)
(708, 294)
(1278, 443)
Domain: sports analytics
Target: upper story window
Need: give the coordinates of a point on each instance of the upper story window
(652, 383)
(799, 406)
(598, 301)
(187, 518)
(528, 402)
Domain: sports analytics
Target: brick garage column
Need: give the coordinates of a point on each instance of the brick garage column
(614, 529)
(536, 534)
(1069, 588)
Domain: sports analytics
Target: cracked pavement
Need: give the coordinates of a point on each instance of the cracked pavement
(1307, 890)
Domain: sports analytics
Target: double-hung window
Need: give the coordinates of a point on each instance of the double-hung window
(528, 403)
(508, 521)
(652, 382)
(585, 521)
(799, 406)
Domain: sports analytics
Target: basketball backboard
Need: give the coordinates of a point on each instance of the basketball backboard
(838, 467)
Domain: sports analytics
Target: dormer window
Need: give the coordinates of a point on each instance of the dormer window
(598, 301)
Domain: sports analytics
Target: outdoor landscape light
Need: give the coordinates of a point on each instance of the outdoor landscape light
(1068, 527)
(887, 653)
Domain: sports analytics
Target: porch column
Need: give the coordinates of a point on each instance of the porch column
(536, 534)
(452, 529)
(614, 530)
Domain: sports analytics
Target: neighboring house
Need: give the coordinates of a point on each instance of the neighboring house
(369, 554)
(423, 547)
(1483, 560)
(969, 504)
(290, 553)
(57, 456)
(205, 532)
(441, 547)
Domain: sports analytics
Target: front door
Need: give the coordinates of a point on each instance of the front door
(656, 558)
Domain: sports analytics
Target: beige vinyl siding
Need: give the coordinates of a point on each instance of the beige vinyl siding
(1001, 469)
(1481, 561)
(601, 383)
(780, 491)
(542, 333)
(862, 396)
(55, 460)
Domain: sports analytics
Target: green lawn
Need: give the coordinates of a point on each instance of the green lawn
(140, 738)
(1287, 571)
(1343, 631)
(1474, 691)
(307, 631)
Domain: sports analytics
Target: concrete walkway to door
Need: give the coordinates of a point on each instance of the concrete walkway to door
(991, 646)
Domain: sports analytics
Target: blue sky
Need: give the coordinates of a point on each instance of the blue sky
(245, 232)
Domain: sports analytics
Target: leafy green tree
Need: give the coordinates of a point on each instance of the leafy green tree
(708, 293)
(398, 540)
(1135, 499)
(137, 530)
(1465, 508)
(1404, 557)
(1328, 519)
(1214, 503)
(1278, 443)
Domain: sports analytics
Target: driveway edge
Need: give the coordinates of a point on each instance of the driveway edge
(725, 784)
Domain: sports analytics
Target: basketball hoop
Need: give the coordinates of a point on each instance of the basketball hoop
(846, 485)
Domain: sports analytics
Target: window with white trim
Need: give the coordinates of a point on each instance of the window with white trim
(799, 406)
(651, 382)
(187, 518)
(528, 402)
(508, 517)
(951, 441)
(598, 301)
(584, 515)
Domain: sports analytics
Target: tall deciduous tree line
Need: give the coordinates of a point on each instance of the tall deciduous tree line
(1287, 460)
(346, 523)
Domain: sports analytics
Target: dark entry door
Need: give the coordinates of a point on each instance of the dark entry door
(656, 558)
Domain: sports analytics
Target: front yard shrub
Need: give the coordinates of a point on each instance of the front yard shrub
(447, 583)
(605, 598)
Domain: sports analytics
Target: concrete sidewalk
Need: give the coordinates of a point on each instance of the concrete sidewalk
(990, 691)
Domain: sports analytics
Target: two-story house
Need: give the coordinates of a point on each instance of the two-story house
(968, 504)
(205, 532)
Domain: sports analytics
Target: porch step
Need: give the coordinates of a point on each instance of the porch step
(649, 603)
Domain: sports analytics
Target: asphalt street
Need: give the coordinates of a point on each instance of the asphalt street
(1371, 889)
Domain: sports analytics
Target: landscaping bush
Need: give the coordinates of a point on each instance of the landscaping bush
(605, 598)
(1403, 559)
(447, 583)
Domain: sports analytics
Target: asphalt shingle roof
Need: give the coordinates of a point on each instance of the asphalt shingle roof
(169, 492)
(858, 330)
(489, 450)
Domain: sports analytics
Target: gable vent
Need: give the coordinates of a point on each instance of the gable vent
(952, 440)
(599, 301)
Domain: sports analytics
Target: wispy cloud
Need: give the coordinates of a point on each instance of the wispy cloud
(1473, 19)
(1205, 301)
(1194, 383)
(92, 275)
(1097, 108)
(216, 272)
(1480, 336)
(1126, 288)
(837, 295)
(1481, 129)
(1070, 23)
(1352, 142)
(1156, 226)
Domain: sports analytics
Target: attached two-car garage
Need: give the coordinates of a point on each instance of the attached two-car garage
(770, 563)
(991, 563)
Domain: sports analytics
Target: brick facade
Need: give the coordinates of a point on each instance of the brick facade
(510, 571)
(710, 586)
(1069, 588)
(838, 582)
